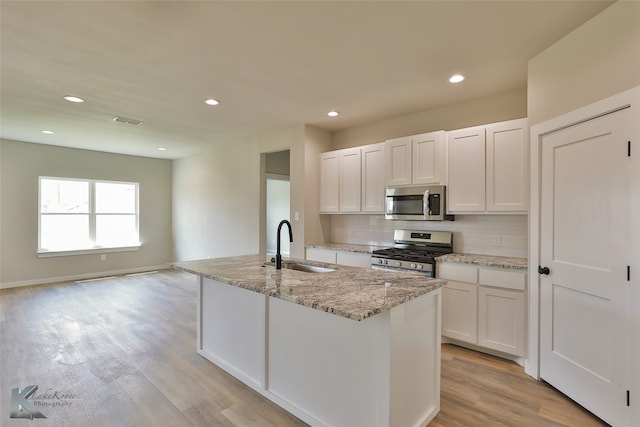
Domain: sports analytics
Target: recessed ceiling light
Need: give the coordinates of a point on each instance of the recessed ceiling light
(333, 113)
(48, 132)
(73, 98)
(456, 78)
(212, 101)
(162, 149)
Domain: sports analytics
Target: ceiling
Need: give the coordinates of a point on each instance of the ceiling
(271, 64)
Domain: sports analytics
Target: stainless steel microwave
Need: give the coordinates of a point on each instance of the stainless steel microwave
(417, 203)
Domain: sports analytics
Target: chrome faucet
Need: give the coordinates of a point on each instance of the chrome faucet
(278, 256)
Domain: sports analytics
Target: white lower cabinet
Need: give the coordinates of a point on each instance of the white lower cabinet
(333, 256)
(460, 311)
(501, 320)
(353, 259)
(321, 255)
(485, 307)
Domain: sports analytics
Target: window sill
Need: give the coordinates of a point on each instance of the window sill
(51, 254)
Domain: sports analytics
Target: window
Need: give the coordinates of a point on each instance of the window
(81, 215)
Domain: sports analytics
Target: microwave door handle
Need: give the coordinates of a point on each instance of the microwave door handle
(425, 202)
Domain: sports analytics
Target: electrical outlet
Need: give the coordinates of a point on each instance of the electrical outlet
(103, 257)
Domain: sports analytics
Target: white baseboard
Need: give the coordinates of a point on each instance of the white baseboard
(7, 285)
(519, 360)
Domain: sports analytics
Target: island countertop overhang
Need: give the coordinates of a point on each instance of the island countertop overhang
(351, 292)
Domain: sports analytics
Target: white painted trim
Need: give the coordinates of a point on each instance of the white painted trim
(519, 360)
(610, 104)
(277, 177)
(51, 254)
(45, 280)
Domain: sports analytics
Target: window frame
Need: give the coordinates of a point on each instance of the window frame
(92, 214)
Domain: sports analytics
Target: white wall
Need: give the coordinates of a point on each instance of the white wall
(217, 197)
(490, 109)
(317, 227)
(596, 60)
(21, 165)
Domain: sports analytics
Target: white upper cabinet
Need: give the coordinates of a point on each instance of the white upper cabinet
(429, 161)
(416, 159)
(349, 177)
(373, 178)
(466, 168)
(352, 180)
(329, 182)
(488, 168)
(508, 166)
(398, 170)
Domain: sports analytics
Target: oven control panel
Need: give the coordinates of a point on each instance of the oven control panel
(393, 264)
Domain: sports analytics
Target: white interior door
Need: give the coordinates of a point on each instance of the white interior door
(585, 318)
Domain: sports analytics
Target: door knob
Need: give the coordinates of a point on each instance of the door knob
(543, 270)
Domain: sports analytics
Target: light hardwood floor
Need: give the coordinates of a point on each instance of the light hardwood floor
(124, 348)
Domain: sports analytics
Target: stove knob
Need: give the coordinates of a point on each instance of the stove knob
(399, 263)
(386, 262)
(419, 267)
(380, 261)
(413, 265)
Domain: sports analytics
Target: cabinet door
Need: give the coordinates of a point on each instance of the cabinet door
(466, 170)
(350, 176)
(428, 160)
(321, 255)
(508, 166)
(329, 182)
(460, 311)
(373, 178)
(398, 159)
(501, 320)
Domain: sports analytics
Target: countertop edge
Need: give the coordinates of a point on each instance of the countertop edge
(509, 263)
(348, 247)
(358, 314)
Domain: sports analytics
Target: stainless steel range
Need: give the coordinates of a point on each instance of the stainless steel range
(414, 250)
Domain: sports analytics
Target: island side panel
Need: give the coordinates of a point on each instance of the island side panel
(326, 369)
(232, 330)
(415, 360)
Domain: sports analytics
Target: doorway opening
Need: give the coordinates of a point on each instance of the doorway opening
(277, 199)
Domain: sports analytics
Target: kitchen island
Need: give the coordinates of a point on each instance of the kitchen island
(344, 347)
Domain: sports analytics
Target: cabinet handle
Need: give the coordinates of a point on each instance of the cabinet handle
(543, 270)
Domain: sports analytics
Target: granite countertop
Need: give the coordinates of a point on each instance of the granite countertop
(351, 292)
(346, 247)
(511, 263)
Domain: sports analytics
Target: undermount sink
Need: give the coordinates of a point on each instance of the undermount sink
(299, 266)
(307, 268)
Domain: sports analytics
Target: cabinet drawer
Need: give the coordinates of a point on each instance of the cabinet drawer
(502, 279)
(458, 272)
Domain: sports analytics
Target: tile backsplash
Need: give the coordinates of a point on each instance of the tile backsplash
(500, 235)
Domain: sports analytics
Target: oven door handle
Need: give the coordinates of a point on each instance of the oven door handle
(425, 204)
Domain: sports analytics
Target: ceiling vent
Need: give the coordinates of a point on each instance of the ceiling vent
(126, 120)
